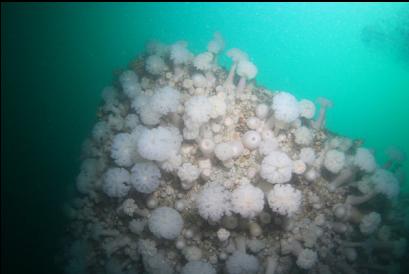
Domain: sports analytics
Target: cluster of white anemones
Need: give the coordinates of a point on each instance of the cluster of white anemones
(195, 169)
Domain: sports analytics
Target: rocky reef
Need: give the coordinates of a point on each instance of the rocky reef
(192, 168)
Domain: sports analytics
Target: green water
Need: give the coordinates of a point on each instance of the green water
(56, 58)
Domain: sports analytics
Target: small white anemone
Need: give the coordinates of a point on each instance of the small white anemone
(207, 146)
(251, 139)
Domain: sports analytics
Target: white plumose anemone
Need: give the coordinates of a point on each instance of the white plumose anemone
(240, 263)
(247, 200)
(285, 106)
(383, 182)
(151, 108)
(237, 55)
(157, 48)
(303, 136)
(101, 131)
(130, 83)
(307, 155)
(165, 100)
(198, 267)
(131, 122)
(268, 145)
(365, 160)
(213, 202)
(276, 168)
(284, 199)
(90, 170)
(218, 106)
(203, 61)
(188, 173)
(145, 177)
(307, 108)
(116, 182)
(370, 223)
(198, 109)
(307, 258)
(124, 150)
(179, 53)
(159, 144)
(84, 183)
(334, 160)
(109, 94)
(209, 209)
(139, 102)
(247, 71)
(165, 222)
(148, 116)
(155, 65)
(199, 80)
(262, 111)
(386, 183)
(217, 44)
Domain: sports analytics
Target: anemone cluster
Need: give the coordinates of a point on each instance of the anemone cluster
(195, 169)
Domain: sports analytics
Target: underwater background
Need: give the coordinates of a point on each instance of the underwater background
(56, 58)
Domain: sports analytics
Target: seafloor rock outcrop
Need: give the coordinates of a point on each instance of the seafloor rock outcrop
(195, 169)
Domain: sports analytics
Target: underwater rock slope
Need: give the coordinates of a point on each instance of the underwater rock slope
(195, 169)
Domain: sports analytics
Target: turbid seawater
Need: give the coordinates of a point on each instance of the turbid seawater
(56, 59)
